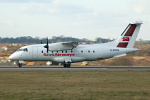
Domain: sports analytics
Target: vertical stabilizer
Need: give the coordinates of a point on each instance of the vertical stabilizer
(128, 37)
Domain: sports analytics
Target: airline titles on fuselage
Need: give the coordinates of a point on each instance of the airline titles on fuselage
(58, 54)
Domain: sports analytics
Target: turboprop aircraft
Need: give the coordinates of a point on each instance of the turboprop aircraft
(71, 52)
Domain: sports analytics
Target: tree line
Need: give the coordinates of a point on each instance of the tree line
(37, 40)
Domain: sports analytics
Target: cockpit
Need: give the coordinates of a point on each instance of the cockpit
(21, 54)
(22, 49)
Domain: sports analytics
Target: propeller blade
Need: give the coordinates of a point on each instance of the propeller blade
(47, 50)
(46, 46)
(47, 40)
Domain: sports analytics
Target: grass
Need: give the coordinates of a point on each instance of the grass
(74, 85)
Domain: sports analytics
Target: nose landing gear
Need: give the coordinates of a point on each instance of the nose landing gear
(19, 64)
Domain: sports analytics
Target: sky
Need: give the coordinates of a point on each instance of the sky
(73, 18)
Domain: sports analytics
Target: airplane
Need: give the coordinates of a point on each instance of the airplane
(71, 52)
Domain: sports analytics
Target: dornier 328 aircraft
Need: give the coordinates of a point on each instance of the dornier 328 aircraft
(71, 52)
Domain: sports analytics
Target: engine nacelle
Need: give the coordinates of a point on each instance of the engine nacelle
(63, 46)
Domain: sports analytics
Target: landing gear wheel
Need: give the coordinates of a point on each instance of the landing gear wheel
(19, 65)
(67, 65)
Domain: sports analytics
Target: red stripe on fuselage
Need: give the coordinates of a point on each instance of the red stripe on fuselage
(123, 45)
(130, 30)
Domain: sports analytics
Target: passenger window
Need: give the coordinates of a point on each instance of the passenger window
(42, 51)
(89, 51)
(52, 51)
(71, 51)
(93, 51)
(66, 51)
(62, 51)
(81, 51)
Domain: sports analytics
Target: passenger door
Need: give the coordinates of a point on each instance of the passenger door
(35, 52)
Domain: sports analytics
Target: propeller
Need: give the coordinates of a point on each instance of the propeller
(46, 46)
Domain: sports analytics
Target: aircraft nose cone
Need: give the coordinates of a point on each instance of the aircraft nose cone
(14, 56)
(11, 57)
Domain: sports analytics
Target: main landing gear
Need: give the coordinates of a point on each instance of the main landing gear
(67, 65)
(19, 65)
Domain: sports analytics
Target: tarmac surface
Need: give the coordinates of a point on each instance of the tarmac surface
(73, 68)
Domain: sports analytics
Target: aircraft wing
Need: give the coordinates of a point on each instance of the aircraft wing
(63, 46)
(71, 44)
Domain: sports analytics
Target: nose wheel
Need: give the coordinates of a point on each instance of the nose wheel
(19, 65)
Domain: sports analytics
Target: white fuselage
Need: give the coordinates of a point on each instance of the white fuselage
(77, 54)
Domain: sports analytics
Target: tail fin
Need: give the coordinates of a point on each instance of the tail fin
(128, 37)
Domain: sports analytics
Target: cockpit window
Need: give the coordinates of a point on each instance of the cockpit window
(24, 49)
(19, 50)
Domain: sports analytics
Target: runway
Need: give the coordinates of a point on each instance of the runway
(73, 68)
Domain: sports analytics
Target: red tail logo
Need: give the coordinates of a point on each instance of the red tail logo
(125, 39)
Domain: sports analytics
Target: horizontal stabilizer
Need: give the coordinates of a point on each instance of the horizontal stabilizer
(120, 55)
